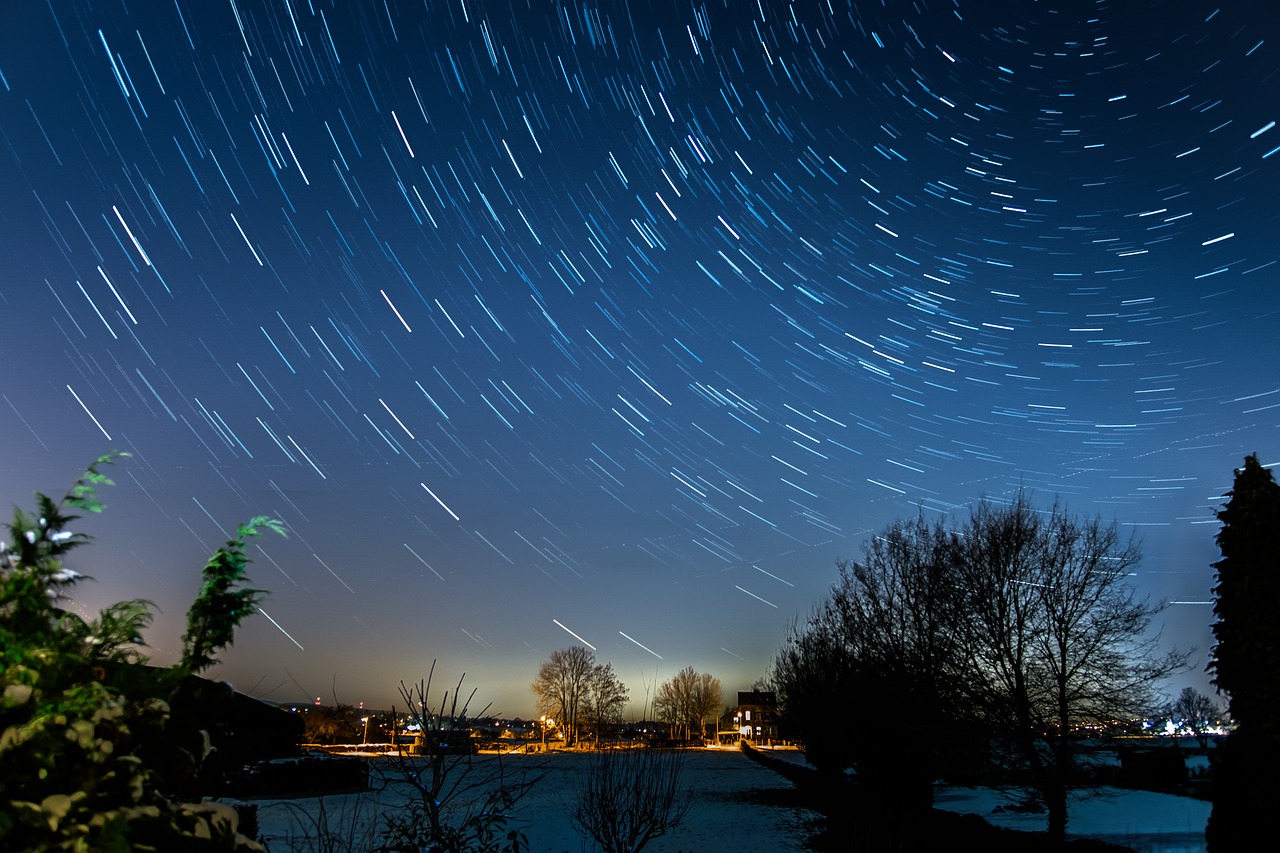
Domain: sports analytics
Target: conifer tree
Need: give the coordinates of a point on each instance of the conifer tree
(1243, 662)
(1247, 632)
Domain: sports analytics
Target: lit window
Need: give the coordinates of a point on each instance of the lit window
(748, 716)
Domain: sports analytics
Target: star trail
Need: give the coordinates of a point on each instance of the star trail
(627, 317)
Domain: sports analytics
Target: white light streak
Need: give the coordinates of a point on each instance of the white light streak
(770, 574)
(295, 161)
(424, 562)
(129, 231)
(450, 319)
(332, 572)
(393, 308)
(117, 295)
(513, 159)
(393, 414)
(89, 413)
(282, 630)
(638, 643)
(442, 503)
(402, 136)
(306, 457)
(246, 241)
(756, 597)
(575, 636)
(96, 311)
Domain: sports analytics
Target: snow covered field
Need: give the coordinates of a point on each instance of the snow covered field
(730, 814)
(721, 817)
(1146, 821)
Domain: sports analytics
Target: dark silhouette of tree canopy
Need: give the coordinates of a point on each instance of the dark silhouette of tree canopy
(1244, 662)
(813, 676)
(888, 631)
(1021, 622)
(1247, 631)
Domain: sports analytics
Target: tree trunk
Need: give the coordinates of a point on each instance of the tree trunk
(1055, 799)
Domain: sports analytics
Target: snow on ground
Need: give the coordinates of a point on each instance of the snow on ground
(720, 819)
(1146, 821)
(725, 817)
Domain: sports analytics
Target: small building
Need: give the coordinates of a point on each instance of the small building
(753, 719)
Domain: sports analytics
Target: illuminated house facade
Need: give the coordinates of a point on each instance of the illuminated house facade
(754, 719)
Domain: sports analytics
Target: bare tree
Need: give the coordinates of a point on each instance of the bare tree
(704, 701)
(1056, 634)
(606, 697)
(459, 805)
(562, 687)
(668, 705)
(686, 699)
(1194, 712)
(628, 797)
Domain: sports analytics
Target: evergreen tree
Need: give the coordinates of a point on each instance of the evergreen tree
(1248, 586)
(1243, 662)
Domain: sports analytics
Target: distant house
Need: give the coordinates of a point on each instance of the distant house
(754, 718)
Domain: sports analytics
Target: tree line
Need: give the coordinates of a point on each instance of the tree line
(579, 692)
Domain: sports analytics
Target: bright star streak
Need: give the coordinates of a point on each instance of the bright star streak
(575, 636)
(638, 643)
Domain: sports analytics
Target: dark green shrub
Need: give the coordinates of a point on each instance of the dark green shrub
(92, 756)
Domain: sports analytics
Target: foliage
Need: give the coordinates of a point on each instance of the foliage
(222, 603)
(686, 699)
(628, 797)
(562, 686)
(91, 753)
(459, 806)
(1248, 585)
(331, 724)
(1244, 660)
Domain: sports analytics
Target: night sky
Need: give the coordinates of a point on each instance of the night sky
(538, 320)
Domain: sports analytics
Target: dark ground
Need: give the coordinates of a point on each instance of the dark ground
(859, 823)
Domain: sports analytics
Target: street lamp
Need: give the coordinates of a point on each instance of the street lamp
(543, 728)
(365, 720)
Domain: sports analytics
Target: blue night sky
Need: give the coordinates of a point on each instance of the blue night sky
(625, 320)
